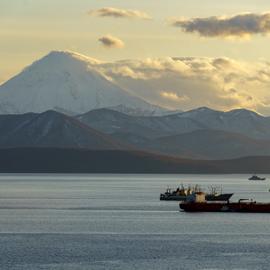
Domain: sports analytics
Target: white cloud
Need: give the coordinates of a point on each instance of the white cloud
(173, 96)
(188, 82)
(119, 13)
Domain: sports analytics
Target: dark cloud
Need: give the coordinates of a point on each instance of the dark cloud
(241, 25)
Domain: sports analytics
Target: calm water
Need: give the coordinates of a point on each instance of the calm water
(117, 222)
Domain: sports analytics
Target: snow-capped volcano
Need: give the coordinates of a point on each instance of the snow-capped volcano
(66, 82)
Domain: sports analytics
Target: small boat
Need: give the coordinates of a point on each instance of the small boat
(181, 194)
(198, 203)
(256, 178)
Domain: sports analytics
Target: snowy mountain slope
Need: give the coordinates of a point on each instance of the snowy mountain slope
(241, 121)
(109, 121)
(155, 111)
(66, 82)
(245, 122)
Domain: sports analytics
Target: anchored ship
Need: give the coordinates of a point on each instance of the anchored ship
(198, 203)
(181, 194)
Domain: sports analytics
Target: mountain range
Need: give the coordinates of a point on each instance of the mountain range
(196, 134)
(245, 122)
(171, 135)
(61, 102)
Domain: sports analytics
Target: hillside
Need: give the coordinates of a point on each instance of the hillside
(245, 122)
(54, 160)
(51, 129)
(211, 144)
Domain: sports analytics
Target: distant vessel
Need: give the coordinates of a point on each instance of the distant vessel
(255, 177)
(181, 194)
(197, 203)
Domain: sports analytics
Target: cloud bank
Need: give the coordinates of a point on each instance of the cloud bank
(188, 82)
(239, 26)
(111, 42)
(120, 13)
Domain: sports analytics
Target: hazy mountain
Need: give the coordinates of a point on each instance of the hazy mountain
(199, 134)
(199, 144)
(245, 122)
(65, 82)
(110, 121)
(210, 144)
(241, 121)
(139, 112)
(54, 129)
(51, 129)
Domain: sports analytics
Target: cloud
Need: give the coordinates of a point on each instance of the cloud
(120, 13)
(237, 26)
(173, 96)
(111, 42)
(189, 82)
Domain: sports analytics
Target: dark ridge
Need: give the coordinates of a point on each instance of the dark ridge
(55, 160)
(52, 129)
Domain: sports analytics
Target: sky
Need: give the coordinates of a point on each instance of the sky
(151, 30)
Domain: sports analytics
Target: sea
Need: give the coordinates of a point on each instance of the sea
(80, 221)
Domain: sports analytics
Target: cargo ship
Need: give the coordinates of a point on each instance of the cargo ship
(197, 203)
(181, 194)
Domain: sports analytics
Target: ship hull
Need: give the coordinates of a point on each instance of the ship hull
(245, 207)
